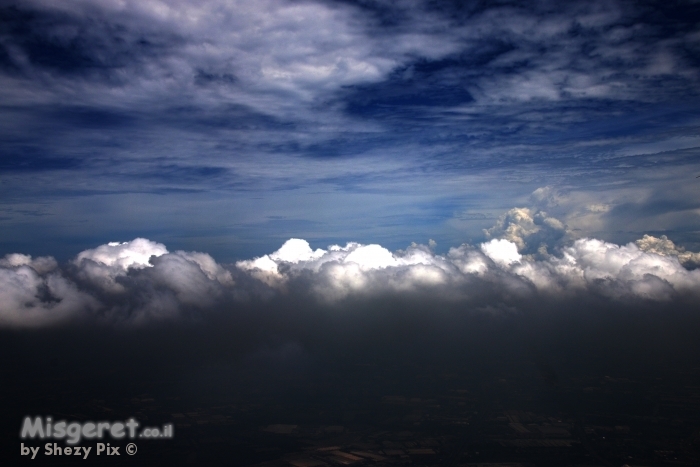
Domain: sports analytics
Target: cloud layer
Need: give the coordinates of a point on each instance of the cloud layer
(140, 281)
(588, 266)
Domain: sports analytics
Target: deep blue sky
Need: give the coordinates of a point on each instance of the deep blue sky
(229, 127)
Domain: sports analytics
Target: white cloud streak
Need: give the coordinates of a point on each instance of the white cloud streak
(283, 58)
(270, 55)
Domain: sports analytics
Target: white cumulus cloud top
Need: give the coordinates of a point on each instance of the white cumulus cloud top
(664, 246)
(125, 255)
(588, 265)
(140, 281)
(501, 251)
(102, 265)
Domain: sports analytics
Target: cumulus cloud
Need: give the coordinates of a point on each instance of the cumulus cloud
(33, 293)
(532, 231)
(103, 265)
(342, 270)
(141, 281)
(176, 283)
(134, 281)
(619, 272)
(153, 282)
(665, 247)
(502, 252)
(41, 265)
(586, 266)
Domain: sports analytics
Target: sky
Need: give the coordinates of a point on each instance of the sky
(163, 159)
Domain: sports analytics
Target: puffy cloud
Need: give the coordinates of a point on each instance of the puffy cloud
(586, 266)
(41, 265)
(133, 254)
(618, 272)
(531, 231)
(174, 284)
(140, 281)
(502, 252)
(665, 247)
(155, 283)
(295, 250)
(132, 281)
(32, 293)
(101, 266)
(342, 270)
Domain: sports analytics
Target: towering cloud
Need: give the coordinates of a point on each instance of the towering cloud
(665, 247)
(532, 231)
